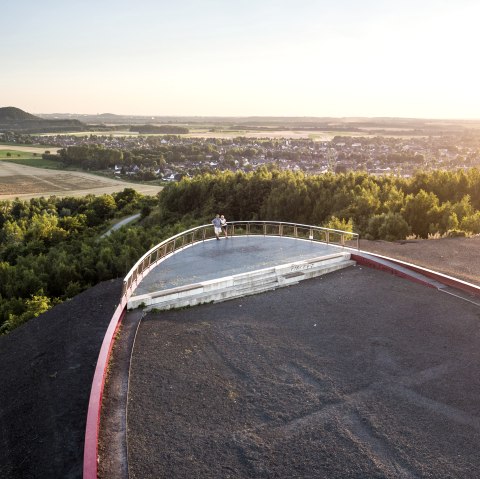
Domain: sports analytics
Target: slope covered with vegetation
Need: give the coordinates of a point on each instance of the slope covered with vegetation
(52, 249)
(14, 119)
(11, 113)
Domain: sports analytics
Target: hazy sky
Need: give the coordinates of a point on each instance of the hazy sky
(245, 57)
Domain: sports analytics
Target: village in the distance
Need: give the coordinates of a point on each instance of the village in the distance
(167, 148)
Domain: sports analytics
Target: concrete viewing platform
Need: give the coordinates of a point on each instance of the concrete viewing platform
(214, 259)
(216, 270)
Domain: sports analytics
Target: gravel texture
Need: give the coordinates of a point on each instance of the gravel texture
(352, 375)
(47, 367)
(414, 366)
(457, 257)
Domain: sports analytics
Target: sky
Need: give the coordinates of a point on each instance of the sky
(336, 58)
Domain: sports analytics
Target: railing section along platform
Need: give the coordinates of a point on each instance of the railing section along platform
(151, 259)
(237, 228)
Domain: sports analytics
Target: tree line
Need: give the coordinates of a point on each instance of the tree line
(160, 129)
(377, 207)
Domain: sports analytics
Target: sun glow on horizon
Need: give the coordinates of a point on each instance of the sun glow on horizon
(415, 59)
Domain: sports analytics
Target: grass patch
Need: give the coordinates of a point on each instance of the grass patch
(13, 154)
(27, 159)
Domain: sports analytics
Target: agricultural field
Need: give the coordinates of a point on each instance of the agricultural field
(291, 134)
(25, 176)
(225, 133)
(24, 151)
(20, 157)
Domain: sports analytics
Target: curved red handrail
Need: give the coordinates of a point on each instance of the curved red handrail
(90, 453)
(369, 259)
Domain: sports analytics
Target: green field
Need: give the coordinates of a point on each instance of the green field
(27, 159)
(94, 133)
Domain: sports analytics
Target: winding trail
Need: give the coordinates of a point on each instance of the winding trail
(121, 223)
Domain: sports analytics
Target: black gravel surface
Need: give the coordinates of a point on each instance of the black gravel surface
(357, 374)
(47, 367)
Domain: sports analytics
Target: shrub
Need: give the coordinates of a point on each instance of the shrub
(387, 226)
(455, 234)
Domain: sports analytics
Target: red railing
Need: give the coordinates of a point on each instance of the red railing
(90, 452)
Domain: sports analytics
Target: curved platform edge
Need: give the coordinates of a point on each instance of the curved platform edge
(415, 273)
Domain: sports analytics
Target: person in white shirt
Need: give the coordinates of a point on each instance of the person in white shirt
(223, 223)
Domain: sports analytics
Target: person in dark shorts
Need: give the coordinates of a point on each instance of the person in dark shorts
(217, 226)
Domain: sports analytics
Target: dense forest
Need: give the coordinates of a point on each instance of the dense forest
(377, 207)
(53, 248)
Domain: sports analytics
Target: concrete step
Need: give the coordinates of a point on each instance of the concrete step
(229, 287)
(198, 293)
(246, 278)
(217, 296)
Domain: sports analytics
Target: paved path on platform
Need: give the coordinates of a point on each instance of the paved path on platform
(218, 258)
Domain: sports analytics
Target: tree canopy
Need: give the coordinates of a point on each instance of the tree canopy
(379, 207)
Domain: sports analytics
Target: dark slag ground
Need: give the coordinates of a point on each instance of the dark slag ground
(357, 374)
(47, 366)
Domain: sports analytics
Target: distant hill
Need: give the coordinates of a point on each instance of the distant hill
(15, 119)
(10, 113)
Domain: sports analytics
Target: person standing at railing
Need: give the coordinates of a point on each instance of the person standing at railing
(217, 226)
(223, 223)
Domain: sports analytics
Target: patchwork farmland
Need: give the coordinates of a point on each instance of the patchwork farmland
(22, 181)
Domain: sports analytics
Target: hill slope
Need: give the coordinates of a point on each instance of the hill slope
(11, 113)
(15, 119)
(47, 367)
(457, 257)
